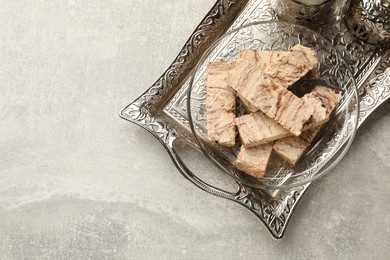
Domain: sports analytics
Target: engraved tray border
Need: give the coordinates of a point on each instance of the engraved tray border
(156, 109)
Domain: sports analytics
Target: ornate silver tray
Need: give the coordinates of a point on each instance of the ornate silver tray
(161, 110)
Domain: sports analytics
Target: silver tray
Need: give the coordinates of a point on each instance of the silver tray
(161, 110)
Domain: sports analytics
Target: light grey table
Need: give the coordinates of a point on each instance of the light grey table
(77, 182)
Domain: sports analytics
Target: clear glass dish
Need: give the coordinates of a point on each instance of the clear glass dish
(335, 137)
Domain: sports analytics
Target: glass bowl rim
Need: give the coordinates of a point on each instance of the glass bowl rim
(330, 164)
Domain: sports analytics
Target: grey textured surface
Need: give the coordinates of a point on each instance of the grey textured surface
(77, 182)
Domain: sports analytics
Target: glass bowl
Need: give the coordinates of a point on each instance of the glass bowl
(335, 137)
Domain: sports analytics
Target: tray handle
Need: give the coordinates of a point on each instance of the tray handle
(192, 177)
(251, 199)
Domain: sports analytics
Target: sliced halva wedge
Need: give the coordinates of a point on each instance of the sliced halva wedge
(254, 161)
(220, 105)
(257, 128)
(287, 67)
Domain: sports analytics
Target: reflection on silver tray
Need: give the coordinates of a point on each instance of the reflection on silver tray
(161, 109)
